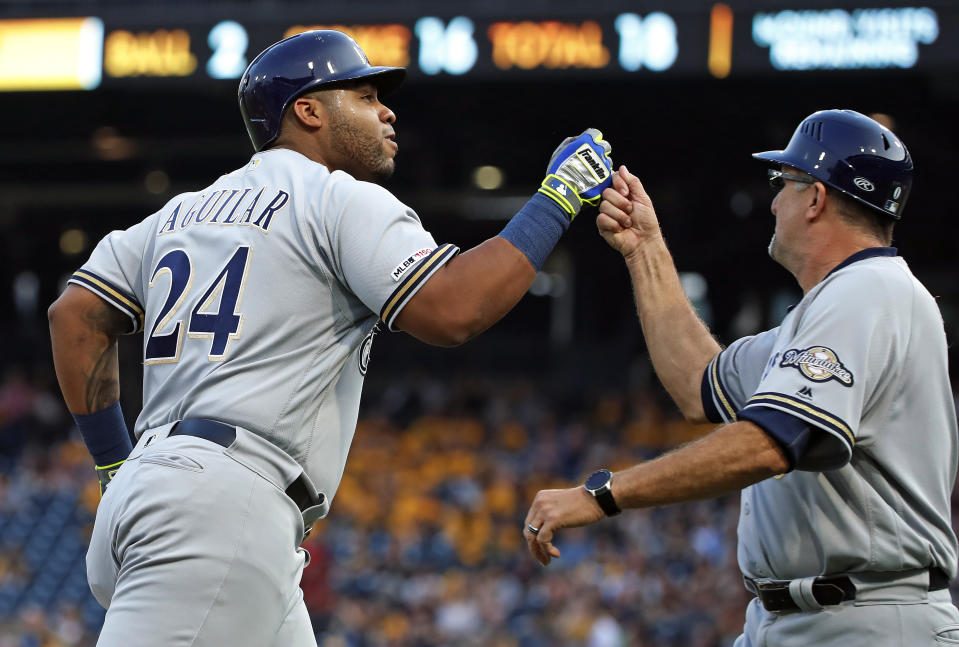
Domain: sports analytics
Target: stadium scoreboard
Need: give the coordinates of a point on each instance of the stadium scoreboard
(721, 40)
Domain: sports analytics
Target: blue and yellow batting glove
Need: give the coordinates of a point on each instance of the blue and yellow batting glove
(578, 171)
(105, 474)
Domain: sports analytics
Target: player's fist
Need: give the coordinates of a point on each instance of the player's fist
(578, 171)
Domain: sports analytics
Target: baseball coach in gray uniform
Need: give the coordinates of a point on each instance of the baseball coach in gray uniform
(840, 422)
(259, 298)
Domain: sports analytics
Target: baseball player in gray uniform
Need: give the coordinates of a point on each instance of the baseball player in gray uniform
(840, 423)
(259, 298)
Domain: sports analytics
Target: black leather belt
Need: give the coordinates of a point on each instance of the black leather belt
(224, 435)
(827, 590)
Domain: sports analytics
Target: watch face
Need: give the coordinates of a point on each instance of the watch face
(598, 479)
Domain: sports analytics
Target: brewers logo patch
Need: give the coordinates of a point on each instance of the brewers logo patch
(818, 363)
(366, 348)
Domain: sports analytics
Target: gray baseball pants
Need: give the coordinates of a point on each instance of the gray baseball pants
(891, 614)
(197, 545)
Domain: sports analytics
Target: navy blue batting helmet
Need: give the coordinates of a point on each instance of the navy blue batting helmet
(297, 65)
(853, 154)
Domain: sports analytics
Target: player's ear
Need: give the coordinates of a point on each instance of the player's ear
(309, 111)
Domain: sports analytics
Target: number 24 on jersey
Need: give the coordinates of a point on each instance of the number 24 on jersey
(214, 315)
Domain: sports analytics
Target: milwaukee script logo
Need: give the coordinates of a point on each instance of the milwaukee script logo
(818, 363)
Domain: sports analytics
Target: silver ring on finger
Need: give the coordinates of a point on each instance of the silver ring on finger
(533, 529)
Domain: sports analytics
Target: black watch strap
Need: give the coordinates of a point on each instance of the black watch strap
(607, 503)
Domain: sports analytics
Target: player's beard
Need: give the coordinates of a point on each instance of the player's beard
(364, 150)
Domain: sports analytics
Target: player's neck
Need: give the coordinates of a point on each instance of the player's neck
(310, 152)
(827, 251)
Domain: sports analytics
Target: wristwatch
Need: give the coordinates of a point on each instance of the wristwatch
(598, 484)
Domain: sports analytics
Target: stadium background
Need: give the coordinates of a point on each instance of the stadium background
(423, 546)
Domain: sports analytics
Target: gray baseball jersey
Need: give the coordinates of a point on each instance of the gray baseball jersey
(862, 358)
(259, 298)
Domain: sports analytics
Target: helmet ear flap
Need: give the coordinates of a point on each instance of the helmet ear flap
(296, 65)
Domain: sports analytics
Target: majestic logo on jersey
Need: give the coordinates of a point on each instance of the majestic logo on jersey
(863, 184)
(818, 364)
(366, 348)
(588, 156)
(805, 393)
(409, 262)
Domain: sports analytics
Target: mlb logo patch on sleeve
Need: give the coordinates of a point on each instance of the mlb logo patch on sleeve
(409, 262)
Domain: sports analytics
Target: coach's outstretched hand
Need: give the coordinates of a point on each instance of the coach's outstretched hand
(555, 509)
(578, 171)
(626, 217)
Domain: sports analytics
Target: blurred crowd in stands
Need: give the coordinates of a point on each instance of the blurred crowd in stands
(423, 546)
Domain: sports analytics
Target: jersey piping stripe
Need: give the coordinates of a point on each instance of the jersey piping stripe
(806, 411)
(728, 411)
(405, 291)
(136, 318)
(111, 294)
(709, 401)
(126, 299)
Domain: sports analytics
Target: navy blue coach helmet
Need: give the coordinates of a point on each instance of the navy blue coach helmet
(297, 65)
(853, 154)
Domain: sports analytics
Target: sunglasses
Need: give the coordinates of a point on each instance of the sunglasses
(777, 179)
